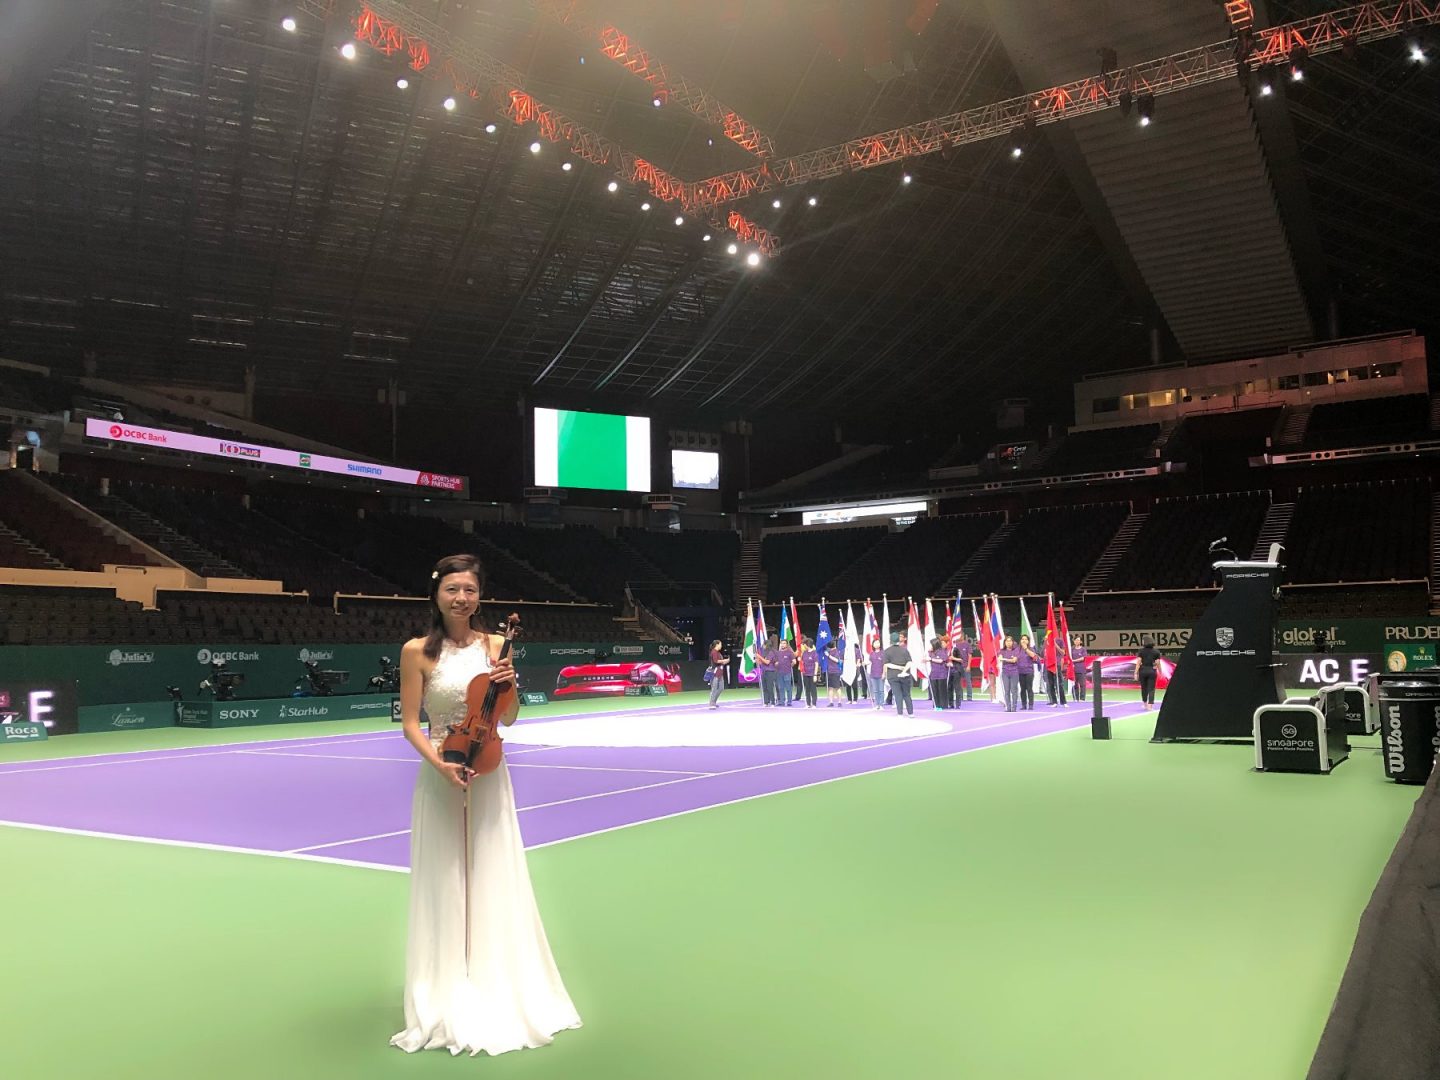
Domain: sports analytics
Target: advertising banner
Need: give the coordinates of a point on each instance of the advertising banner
(165, 439)
(38, 699)
(221, 714)
(127, 717)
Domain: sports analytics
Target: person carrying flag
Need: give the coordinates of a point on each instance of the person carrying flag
(960, 653)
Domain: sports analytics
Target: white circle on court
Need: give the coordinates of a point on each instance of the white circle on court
(721, 727)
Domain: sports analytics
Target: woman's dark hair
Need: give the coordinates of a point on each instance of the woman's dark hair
(934, 643)
(451, 564)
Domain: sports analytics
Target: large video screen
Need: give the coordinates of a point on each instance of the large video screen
(592, 450)
(695, 469)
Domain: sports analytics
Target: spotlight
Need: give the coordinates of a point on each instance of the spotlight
(1266, 78)
(348, 50)
(775, 203)
(644, 206)
(1417, 53)
(535, 147)
(812, 201)
(656, 102)
(1017, 151)
(1298, 55)
(710, 142)
(731, 249)
(1145, 106)
(582, 60)
(288, 23)
(449, 104)
(490, 129)
(679, 220)
(753, 259)
(612, 187)
(566, 166)
(402, 83)
(706, 238)
(905, 178)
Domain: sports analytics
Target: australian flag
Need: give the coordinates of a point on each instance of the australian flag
(822, 635)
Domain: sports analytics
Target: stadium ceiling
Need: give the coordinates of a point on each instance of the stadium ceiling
(188, 189)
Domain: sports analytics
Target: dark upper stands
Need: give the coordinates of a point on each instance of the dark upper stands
(57, 615)
(800, 563)
(1368, 421)
(1360, 532)
(1102, 450)
(914, 561)
(1048, 550)
(1175, 610)
(1171, 550)
(700, 555)
(61, 531)
(263, 546)
(1355, 602)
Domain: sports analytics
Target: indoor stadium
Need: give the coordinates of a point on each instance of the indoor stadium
(611, 540)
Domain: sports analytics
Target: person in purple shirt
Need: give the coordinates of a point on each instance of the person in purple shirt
(877, 676)
(809, 662)
(784, 673)
(1025, 669)
(1081, 656)
(1010, 673)
(765, 661)
(939, 673)
(831, 663)
(960, 653)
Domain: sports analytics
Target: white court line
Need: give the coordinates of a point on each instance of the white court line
(204, 846)
(415, 760)
(613, 768)
(121, 761)
(342, 843)
(82, 761)
(299, 855)
(777, 764)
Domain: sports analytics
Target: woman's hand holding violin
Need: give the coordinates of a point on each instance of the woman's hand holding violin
(503, 671)
(456, 774)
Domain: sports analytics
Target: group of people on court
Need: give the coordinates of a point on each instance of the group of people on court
(888, 675)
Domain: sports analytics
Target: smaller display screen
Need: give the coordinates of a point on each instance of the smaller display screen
(695, 469)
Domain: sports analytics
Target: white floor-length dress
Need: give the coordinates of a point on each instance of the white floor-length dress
(512, 996)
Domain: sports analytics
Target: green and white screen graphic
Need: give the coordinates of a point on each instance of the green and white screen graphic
(592, 450)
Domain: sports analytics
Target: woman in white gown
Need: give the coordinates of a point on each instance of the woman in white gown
(508, 994)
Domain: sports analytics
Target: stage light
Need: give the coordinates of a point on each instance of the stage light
(679, 220)
(402, 83)
(449, 104)
(535, 147)
(706, 238)
(1298, 55)
(775, 203)
(1017, 151)
(1417, 53)
(644, 206)
(490, 128)
(566, 166)
(731, 249)
(612, 187)
(348, 50)
(812, 201)
(1266, 78)
(905, 178)
(1145, 106)
(656, 102)
(288, 23)
(753, 259)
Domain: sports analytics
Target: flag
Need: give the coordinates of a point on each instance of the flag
(1050, 632)
(930, 634)
(822, 635)
(1065, 644)
(919, 656)
(884, 622)
(747, 657)
(795, 620)
(998, 629)
(784, 623)
(975, 617)
(760, 636)
(954, 618)
(989, 647)
(1025, 623)
(847, 665)
(872, 632)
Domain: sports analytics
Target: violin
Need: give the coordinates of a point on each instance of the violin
(474, 742)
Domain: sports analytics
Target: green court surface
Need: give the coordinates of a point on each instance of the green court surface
(1056, 909)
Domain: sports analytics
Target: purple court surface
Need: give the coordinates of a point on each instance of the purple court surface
(346, 798)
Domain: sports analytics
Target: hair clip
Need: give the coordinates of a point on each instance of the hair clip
(434, 575)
